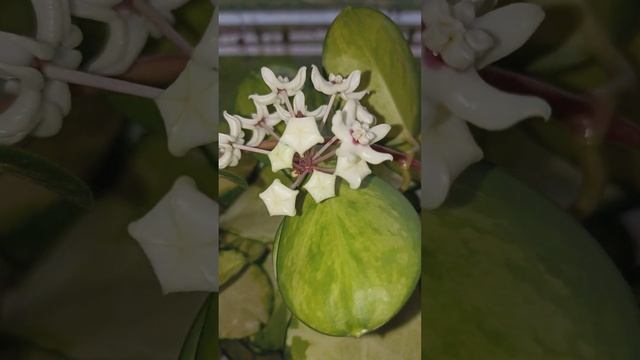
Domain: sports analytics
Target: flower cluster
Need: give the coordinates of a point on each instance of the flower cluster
(301, 148)
(460, 38)
(38, 102)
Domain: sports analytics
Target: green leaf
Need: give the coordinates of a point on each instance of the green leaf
(273, 335)
(231, 263)
(202, 341)
(346, 266)
(46, 174)
(505, 266)
(248, 218)
(228, 175)
(399, 339)
(367, 40)
(245, 304)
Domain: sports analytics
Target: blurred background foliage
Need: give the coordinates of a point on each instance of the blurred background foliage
(73, 284)
(587, 157)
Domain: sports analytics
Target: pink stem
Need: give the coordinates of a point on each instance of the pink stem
(99, 82)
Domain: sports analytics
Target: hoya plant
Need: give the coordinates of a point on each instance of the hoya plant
(332, 204)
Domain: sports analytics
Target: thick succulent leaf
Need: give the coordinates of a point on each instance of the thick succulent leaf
(366, 40)
(46, 174)
(248, 218)
(399, 339)
(245, 304)
(346, 266)
(272, 336)
(202, 341)
(508, 274)
(253, 250)
(231, 263)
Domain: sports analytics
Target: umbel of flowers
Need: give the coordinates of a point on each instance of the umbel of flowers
(313, 159)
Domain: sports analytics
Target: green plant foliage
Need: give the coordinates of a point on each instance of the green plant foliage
(202, 341)
(508, 275)
(367, 40)
(347, 265)
(46, 174)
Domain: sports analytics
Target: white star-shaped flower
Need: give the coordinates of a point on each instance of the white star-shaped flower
(337, 84)
(282, 85)
(279, 199)
(301, 134)
(321, 186)
(356, 137)
(352, 170)
(180, 238)
(259, 123)
(228, 154)
(281, 157)
(456, 48)
(300, 109)
(189, 108)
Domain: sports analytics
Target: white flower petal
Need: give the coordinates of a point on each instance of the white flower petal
(188, 108)
(50, 120)
(52, 17)
(320, 84)
(235, 125)
(257, 136)
(279, 199)
(296, 84)
(447, 149)
(268, 99)
(271, 79)
(301, 134)
(281, 157)
(137, 36)
(20, 118)
(20, 50)
(180, 238)
(352, 171)
(116, 42)
(511, 26)
(321, 186)
(472, 99)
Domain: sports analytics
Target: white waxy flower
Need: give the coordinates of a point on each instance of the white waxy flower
(228, 153)
(356, 138)
(281, 85)
(457, 94)
(352, 170)
(300, 109)
(40, 103)
(337, 84)
(279, 199)
(188, 108)
(302, 134)
(260, 123)
(127, 30)
(180, 238)
(321, 186)
(281, 157)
